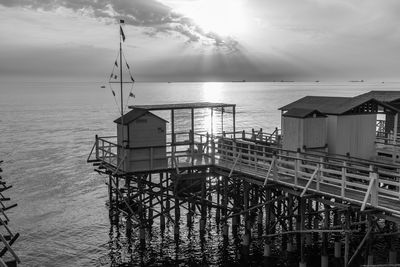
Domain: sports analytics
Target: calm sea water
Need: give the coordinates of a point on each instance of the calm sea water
(46, 133)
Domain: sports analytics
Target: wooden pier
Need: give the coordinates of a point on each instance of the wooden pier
(8, 257)
(294, 201)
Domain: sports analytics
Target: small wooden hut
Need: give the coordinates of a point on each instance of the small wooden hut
(305, 129)
(142, 136)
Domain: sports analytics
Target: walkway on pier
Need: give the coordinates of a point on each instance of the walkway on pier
(361, 182)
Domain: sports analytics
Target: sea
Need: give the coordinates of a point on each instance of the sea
(47, 130)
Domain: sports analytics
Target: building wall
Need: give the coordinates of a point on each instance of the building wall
(315, 132)
(119, 134)
(332, 133)
(148, 130)
(292, 129)
(300, 132)
(356, 135)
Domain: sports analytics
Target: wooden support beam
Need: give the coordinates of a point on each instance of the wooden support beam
(360, 246)
(371, 191)
(313, 176)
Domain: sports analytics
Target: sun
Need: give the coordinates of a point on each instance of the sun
(222, 17)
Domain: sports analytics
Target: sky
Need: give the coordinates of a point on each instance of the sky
(201, 40)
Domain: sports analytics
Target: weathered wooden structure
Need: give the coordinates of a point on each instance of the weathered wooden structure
(141, 129)
(8, 257)
(350, 123)
(294, 201)
(306, 129)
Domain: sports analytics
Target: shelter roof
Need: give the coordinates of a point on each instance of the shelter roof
(135, 114)
(302, 113)
(334, 105)
(324, 104)
(382, 96)
(194, 105)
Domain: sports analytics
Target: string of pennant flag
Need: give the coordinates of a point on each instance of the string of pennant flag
(116, 66)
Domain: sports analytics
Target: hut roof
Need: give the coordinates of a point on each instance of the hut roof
(334, 105)
(324, 104)
(135, 114)
(302, 113)
(382, 96)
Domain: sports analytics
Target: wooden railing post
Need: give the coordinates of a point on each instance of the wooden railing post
(212, 151)
(97, 147)
(296, 167)
(318, 177)
(207, 142)
(102, 149)
(274, 167)
(109, 153)
(321, 166)
(343, 188)
(398, 185)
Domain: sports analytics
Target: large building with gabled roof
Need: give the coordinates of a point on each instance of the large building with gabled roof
(349, 125)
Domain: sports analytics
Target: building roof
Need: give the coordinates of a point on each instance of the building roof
(302, 113)
(135, 114)
(382, 96)
(324, 104)
(195, 105)
(334, 105)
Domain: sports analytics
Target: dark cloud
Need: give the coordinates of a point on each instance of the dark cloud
(154, 16)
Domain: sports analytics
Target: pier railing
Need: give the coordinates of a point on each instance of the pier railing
(183, 150)
(376, 185)
(359, 181)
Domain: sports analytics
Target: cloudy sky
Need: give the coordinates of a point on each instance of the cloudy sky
(201, 40)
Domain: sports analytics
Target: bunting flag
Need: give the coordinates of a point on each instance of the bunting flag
(112, 75)
(121, 21)
(132, 95)
(116, 64)
(122, 33)
(133, 80)
(103, 86)
(127, 65)
(113, 92)
(115, 77)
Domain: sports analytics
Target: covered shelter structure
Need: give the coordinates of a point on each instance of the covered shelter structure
(350, 122)
(189, 119)
(163, 136)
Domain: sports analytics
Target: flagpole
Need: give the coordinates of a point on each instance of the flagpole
(120, 78)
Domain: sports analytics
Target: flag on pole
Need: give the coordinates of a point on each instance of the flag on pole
(133, 80)
(122, 33)
(121, 21)
(116, 64)
(132, 95)
(127, 65)
(113, 92)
